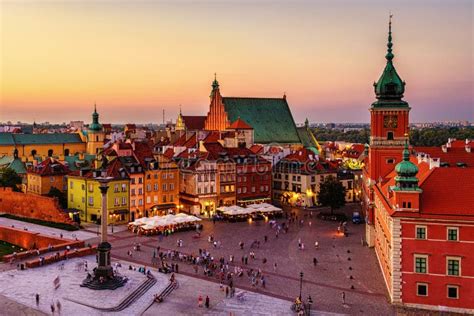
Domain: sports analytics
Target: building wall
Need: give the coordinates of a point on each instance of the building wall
(41, 185)
(31, 206)
(84, 195)
(438, 249)
(42, 149)
(95, 141)
(254, 181)
(137, 196)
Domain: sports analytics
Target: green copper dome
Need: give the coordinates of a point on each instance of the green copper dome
(406, 168)
(95, 125)
(406, 173)
(389, 89)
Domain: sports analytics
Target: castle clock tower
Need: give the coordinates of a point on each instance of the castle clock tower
(95, 135)
(388, 119)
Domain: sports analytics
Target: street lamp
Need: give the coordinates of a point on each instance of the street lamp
(310, 302)
(301, 284)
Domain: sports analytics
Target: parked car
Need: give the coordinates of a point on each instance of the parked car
(356, 218)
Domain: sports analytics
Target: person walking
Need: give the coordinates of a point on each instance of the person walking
(274, 267)
(52, 308)
(226, 291)
(315, 261)
(58, 305)
(207, 301)
(343, 296)
(200, 301)
(37, 298)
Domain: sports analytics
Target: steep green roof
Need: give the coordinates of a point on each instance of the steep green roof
(74, 163)
(307, 138)
(28, 139)
(12, 163)
(270, 118)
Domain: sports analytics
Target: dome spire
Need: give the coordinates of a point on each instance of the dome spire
(215, 85)
(389, 55)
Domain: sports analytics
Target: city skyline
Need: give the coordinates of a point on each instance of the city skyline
(156, 56)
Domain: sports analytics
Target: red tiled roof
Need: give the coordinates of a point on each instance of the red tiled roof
(194, 122)
(448, 191)
(452, 156)
(169, 153)
(212, 137)
(130, 126)
(462, 143)
(180, 141)
(142, 151)
(302, 155)
(240, 124)
(50, 167)
(354, 151)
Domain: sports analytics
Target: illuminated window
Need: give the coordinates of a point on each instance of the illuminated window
(453, 233)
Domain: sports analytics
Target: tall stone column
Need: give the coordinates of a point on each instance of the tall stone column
(103, 223)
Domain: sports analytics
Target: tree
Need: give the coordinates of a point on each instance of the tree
(61, 196)
(332, 193)
(9, 178)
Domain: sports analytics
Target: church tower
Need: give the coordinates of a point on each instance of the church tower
(95, 135)
(388, 119)
(216, 117)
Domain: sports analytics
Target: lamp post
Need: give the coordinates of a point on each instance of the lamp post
(301, 284)
(104, 277)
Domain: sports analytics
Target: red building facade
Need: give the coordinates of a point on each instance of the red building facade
(419, 210)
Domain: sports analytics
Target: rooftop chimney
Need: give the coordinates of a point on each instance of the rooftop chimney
(444, 148)
(468, 148)
(434, 163)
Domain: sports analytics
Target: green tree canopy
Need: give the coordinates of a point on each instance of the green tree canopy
(9, 178)
(61, 196)
(332, 193)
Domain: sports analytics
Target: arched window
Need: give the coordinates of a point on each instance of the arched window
(390, 136)
(66, 152)
(97, 138)
(50, 152)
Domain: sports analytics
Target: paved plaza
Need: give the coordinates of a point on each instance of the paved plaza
(339, 258)
(342, 263)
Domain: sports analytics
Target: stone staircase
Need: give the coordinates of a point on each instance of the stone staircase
(127, 301)
(160, 297)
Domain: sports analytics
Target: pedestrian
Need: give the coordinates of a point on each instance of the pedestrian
(343, 296)
(52, 308)
(274, 267)
(207, 301)
(37, 297)
(265, 238)
(176, 268)
(58, 305)
(200, 301)
(315, 261)
(226, 291)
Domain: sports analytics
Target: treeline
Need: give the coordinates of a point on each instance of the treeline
(435, 136)
(326, 134)
(438, 136)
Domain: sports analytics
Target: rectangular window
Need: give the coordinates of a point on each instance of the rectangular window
(155, 176)
(422, 289)
(164, 198)
(116, 202)
(421, 263)
(132, 181)
(165, 188)
(171, 186)
(91, 200)
(132, 192)
(71, 184)
(140, 202)
(453, 266)
(163, 175)
(170, 176)
(155, 187)
(133, 203)
(453, 233)
(140, 191)
(148, 187)
(116, 188)
(239, 190)
(420, 232)
(148, 199)
(124, 201)
(91, 187)
(453, 291)
(83, 199)
(155, 199)
(72, 196)
(124, 187)
(253, 189)
(171, 198)
(140, 180)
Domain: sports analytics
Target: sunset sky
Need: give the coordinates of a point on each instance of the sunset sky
(136, 58)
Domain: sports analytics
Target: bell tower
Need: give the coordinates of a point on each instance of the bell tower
(95, 135)
(388, 118)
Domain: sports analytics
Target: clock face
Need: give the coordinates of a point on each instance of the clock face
(390, 121)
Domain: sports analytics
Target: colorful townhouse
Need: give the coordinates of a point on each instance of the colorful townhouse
(84, 194)
(50, 173)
